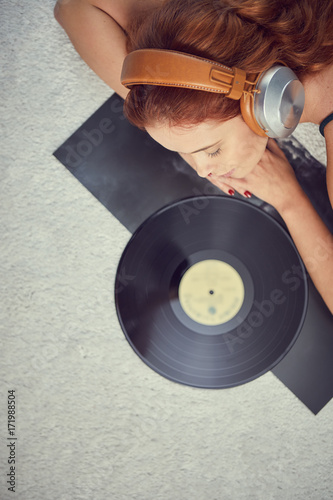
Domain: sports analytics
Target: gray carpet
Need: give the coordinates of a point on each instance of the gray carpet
(93, 421)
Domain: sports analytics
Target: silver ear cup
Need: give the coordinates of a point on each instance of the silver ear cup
(279, 105)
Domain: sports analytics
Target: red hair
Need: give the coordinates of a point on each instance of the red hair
(249, 34)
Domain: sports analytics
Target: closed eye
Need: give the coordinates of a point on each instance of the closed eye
(216, 153)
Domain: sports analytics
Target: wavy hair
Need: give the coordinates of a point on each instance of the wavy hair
(249, 34)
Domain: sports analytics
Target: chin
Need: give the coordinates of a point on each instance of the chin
(242, 172)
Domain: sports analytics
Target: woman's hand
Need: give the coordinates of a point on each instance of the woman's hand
(272, 180)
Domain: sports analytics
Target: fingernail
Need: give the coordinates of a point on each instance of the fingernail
(247, 194)
(231, 192)
(209, 175)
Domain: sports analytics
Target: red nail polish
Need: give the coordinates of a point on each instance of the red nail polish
(209, 175)
(231, 192)
(247, 194)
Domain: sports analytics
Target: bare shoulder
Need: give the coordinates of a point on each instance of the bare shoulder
(123, 11)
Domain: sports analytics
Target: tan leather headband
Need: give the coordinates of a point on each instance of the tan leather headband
(175, 69)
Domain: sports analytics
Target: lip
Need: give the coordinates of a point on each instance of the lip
(228, 174)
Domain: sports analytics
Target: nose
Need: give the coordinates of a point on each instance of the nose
(203, 167)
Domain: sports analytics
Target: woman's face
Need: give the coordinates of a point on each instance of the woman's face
(225, 149)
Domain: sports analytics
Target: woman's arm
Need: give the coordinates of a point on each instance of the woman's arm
(314, 243)
(273, 180)
(96, 36)
(97, 29)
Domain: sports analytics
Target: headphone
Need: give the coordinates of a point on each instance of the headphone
(271, 105)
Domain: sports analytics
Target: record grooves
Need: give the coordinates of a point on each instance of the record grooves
(210, 292)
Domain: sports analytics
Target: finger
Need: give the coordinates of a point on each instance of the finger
(237, 185)
(242, 189)
(241, 186)
(221, 185)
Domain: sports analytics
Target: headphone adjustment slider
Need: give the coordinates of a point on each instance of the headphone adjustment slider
(238, 84)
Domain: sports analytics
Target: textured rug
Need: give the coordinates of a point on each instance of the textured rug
(92, 421)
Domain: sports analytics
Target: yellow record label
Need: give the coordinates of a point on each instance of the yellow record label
(211, 292)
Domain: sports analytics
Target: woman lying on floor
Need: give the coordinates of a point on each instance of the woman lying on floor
(205, 126)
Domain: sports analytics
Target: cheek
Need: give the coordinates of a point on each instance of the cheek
(253, 150)
(247, 146)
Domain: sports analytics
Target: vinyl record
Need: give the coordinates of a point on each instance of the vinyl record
(210, 292)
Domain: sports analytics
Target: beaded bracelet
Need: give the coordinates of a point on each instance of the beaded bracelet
(323, 124)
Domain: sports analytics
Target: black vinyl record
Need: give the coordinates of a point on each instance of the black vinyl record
(210, 292)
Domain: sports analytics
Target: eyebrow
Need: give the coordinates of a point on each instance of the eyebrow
(203, 149)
